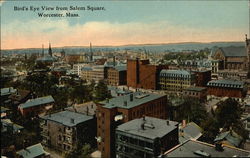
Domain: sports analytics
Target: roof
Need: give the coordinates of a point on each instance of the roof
(46, 59)
(37, 101)
(8, 123)
(197, 89)
(7, 91)
(226, 83)
(124, 101)
(191, 131)
(3, 109)
(88, 108)
(32, 151)
(175, 73)
(121, 67)
(153, 127)
(189, 147)
(231, 137)
(233, 51)
(67, 118)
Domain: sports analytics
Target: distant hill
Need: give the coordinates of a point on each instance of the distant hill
(154, 48)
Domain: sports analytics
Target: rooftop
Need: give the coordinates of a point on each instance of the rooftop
(88, 108)
(190, 148)
(125, 101)
(226, 83)
(67, 118)
(37, 101)
(7, 91)
(197, 89)
(7, 123)
(152, 127)
(233, 51)
(32, 151)
(231, 137)
(181, 73)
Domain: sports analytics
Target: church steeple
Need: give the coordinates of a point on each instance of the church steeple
(50, 50)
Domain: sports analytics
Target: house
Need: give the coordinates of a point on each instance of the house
(34, 151)
(36, 106)
(64, 130)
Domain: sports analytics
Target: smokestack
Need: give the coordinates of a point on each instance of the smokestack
(87, 110)
(143, 118)
(167, 122)
(184, 123)
(114, 61)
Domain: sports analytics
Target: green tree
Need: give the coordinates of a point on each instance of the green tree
(101, 91)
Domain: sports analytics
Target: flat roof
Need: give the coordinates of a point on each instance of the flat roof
(198, 89)
(153, 127)
(7, 91)
(67, 118)
(37, 101)
(124, 101)
(189, 147)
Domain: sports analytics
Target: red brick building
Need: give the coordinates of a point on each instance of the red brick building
(227, 88)
(140, 74)
(202, 77)
(113, 112)
(196, 92)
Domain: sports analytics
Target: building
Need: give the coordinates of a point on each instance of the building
(111, 113)
(189, 131)
(230, 138)
(194, 148)
(77, 68)
(147, 137)
(202, 77)
(95, 73)
(227, 88)
(75, 58)
(36, 106)
(196, 92)
(88, 108)
(64, 130)
(176, 80)
(117, 75)
(34, 151)
(6, 92)
(141, 74)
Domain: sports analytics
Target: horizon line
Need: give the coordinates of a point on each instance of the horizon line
(124, 45)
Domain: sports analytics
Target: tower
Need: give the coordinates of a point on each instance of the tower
(91, 52)
(42, 50)
(50, 50)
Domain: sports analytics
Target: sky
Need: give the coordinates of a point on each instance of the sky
(123, 22)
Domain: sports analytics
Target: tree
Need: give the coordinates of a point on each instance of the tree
(101, 91)
(82, 151)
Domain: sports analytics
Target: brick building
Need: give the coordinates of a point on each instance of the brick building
(95, 73)
(176, 80)
(196, 92)
(227, 88)
(111, 113)
(141, 74)
(202, 77)
(36, 106)
(116, 75)
(146, 138)
(64, 130)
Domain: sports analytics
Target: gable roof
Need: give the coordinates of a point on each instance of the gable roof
(37, 101)
(233, 51)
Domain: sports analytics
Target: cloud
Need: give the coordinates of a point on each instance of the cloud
(34, 33)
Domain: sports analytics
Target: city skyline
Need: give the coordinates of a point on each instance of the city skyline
(124, 23)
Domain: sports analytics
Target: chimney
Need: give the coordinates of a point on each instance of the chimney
(168, 122)
(72, 120)
(143, 118)
(131, 97)
(87, 110)
(125, 103)
(142, 126)
(184, 123)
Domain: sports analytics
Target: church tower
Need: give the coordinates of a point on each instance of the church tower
(50, 50)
